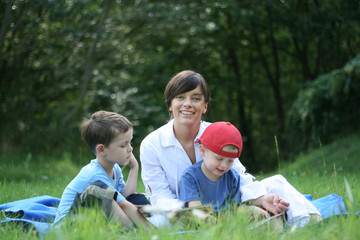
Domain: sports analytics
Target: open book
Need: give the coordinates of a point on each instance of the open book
(200, 212)
(266, 220)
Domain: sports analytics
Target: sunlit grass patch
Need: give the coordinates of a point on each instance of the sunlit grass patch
(15, 231)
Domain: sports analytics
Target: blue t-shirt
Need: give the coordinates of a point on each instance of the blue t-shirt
(195, 186)
(88, 174)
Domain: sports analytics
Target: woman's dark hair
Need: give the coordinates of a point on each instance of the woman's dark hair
(185, 81)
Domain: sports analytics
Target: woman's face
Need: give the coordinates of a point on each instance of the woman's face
(188, 107)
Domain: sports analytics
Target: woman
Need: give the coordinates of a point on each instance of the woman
(169, 150)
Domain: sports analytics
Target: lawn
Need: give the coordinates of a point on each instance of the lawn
(332, 168)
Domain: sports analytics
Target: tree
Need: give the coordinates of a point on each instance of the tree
(61, 61)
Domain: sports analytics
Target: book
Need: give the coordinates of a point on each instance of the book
(190, 213)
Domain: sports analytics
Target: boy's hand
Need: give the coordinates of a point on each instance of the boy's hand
(282, 205)
(133, 163)
(272, 203)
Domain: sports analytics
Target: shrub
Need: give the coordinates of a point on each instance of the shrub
(326, 108)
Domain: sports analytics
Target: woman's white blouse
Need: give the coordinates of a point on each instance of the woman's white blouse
(163, 160)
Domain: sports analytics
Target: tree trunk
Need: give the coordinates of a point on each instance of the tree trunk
(88, 66)
(274, 81)
(244, 127)
(4, 24)
(234, 66)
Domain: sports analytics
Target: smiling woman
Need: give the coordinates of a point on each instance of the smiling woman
(169, 150)
(183, 82)
(188, 105)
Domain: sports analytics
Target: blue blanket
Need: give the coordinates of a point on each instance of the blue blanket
(39, 212)
(329, 205)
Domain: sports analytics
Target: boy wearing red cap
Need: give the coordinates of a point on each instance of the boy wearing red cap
(212, 180)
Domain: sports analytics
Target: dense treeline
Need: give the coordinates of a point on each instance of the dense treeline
(62, 60)
(327, 109)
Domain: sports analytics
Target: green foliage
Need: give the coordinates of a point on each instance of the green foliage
(327, 108)
(62, 60)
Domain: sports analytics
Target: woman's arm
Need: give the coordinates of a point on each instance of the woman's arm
(246, 178)
(249, 188)
(154, 177)
(131, 183)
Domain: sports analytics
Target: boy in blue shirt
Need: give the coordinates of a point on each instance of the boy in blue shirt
(212, 180)
(108, 136)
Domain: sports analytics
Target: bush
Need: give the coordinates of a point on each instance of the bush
(326, 108)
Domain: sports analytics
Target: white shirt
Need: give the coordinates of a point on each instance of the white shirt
(163, 161)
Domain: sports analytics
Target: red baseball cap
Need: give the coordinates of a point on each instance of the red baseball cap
(219, 134)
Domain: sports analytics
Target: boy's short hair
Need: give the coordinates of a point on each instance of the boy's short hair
(219, 134)
(103, 127)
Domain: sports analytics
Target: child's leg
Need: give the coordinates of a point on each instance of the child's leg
(133, 213)
(98, 194)
(119, 215)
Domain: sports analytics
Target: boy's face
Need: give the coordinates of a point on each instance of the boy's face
(215, 165)
(120, 150)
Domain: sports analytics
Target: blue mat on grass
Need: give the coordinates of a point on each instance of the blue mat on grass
(38, 212)
(329, 205)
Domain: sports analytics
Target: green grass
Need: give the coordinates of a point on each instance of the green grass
(332, 168)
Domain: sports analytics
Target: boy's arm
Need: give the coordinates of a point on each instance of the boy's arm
(189, 192)
(131, 183)
(254, 210)
(194, 203)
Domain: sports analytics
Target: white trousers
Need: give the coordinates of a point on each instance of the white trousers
(300, 208)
